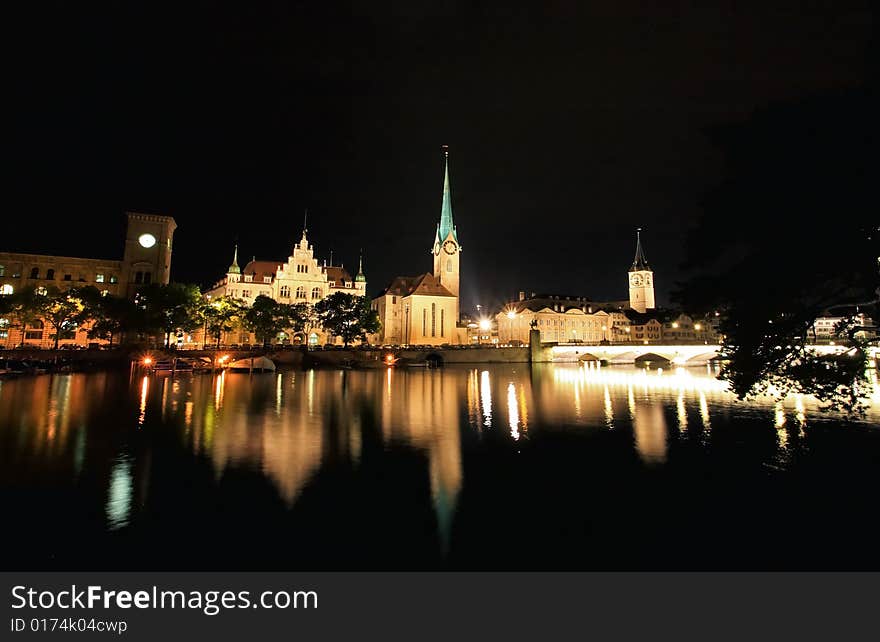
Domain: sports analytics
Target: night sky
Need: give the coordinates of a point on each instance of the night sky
(569, 125)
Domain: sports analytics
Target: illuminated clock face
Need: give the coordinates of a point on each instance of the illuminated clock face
(449, 247)
(636, 279)
(147, 240)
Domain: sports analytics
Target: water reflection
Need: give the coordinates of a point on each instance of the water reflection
(288, 426)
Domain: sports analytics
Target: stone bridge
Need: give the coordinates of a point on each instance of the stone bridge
(680, 355)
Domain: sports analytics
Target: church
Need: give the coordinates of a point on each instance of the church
(424, 309)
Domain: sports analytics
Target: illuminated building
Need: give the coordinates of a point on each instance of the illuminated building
(146, 258)
(424, 309)
(299, 279)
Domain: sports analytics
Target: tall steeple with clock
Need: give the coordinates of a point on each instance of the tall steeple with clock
(641, 280)
(447, 250)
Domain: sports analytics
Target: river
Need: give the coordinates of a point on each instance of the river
(488, 467)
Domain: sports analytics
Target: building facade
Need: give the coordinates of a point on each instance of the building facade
(424, 309)
(146, 258)
(299, 279)
(559, 319)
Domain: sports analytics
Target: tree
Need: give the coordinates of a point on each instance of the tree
(791, 234)
(24, 307)
(348, 316)
(266, 318)
(111, 315)
(168, 308)
(63, 309)
(223, 314)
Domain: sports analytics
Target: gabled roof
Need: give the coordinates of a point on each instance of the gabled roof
(424, 285)
(338, 275)
(661, 316)
(261, 269)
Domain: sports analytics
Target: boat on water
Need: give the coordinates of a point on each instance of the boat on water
(252, 364)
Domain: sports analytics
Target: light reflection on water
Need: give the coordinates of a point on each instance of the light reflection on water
(288, 425)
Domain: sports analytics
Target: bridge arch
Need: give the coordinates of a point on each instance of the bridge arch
(652, 360)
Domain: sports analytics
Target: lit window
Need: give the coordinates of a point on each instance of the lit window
(99, 278)
(300, 292)
(316, 293)
(114, 278)
(285, 291)
(6, 289)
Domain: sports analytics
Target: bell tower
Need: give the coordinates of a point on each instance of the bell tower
(641, 280)
(446, 250)
(147, 255)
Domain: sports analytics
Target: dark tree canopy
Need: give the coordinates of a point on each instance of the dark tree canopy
(348, 316)
(791, 234)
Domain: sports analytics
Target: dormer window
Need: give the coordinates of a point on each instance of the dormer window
(248, 278)
(267, 279)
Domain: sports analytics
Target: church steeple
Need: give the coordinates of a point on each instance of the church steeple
(234, 269)
(641, 280)
(446, 223)
(639, 262)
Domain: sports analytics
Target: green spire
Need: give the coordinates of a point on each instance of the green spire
(446, 223)
(234, 269)
(360, 278)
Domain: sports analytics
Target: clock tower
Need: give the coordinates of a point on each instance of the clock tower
(147, 255)
(446, 250)
(641, 280)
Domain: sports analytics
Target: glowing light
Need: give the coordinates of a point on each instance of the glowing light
(697, 326)
(485, 324)
(511, 315)
(145, 387)
(609, 409)
(513, 411)
(118, 508)
(682, 413)
(389, 359)
(704, 411)
(224, 358)
(486, 397)
(148, 361)
(219, 388)
(675, 324)
(147, 240)
(800, 411)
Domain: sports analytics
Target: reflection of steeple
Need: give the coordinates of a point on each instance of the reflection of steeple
(639, 262)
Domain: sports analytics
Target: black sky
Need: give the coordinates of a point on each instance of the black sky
(569, 124)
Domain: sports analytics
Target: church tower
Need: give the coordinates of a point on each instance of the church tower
(641, 280)
(446, 250)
